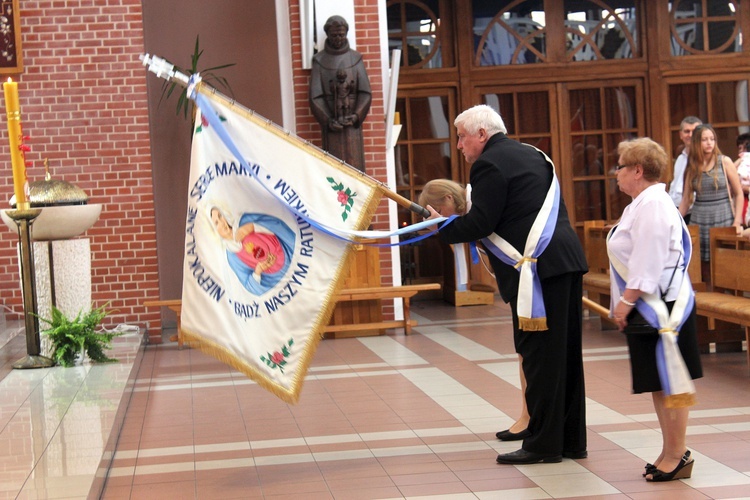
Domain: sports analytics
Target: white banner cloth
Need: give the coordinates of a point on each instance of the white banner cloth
(259, 281)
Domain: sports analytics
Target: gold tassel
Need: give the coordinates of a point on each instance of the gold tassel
(680, 400)
(532, 324)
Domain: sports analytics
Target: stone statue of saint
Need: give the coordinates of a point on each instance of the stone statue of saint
(340, 94)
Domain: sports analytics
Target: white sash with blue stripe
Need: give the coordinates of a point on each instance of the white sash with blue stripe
(678, 387)
(530, 303)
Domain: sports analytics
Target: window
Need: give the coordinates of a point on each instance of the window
(509, 32)
(425, 151)
(600, 118)
(723, 104)
(594, 30)
(529, 127)
(705, 26)
(414, 28)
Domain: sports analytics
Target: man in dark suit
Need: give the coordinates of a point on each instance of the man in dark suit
(510, 182)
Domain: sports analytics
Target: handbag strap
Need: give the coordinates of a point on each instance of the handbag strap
(720, 161)
(674, 270)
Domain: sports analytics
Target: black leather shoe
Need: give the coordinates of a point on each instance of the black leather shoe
(576, 454)
(523, 457)
(683, 470)
(506, 435)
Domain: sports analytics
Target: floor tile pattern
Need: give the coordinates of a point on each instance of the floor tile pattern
(383, 417)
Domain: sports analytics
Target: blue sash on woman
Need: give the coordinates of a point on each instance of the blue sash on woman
(678, 387)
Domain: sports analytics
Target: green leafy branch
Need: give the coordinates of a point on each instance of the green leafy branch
(208, 75)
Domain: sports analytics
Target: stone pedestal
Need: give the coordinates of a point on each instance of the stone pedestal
(63, 278)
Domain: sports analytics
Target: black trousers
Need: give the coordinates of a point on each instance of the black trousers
(553, 367)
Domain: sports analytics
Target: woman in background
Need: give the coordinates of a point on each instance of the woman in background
(710, 178)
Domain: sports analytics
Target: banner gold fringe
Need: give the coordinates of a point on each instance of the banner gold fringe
(680, 400)
(293, 139)
(291, 395)
(532, 324)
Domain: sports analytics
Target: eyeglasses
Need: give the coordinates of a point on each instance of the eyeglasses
(620, 167)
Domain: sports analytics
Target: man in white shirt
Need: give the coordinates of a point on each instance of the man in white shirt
(687, 126)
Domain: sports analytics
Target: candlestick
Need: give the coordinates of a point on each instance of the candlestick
(13, 111)
(33, 359)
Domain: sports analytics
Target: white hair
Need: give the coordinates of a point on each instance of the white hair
(481, 116)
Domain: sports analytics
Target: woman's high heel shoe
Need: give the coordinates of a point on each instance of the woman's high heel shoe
(651, 468)
(683, 471)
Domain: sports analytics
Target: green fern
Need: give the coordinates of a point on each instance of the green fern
(71, 337)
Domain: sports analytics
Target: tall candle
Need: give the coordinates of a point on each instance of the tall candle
(13, 111)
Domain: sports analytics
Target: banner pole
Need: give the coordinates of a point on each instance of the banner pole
(164, 69)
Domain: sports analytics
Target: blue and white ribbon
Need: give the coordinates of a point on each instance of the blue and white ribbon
(210, 114)
(678, 387)
(530, 303)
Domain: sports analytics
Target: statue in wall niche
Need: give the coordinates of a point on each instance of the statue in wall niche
(340, 94)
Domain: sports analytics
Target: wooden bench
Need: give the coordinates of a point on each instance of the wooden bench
(596, 281)
(728, 299)
(174, 305)
(404, 292)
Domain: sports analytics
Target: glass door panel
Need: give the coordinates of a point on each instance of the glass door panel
(600, 118)
(423, 152)
(527, 126)
(723, 104)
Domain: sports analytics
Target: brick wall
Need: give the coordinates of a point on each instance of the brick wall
(368, 44)
(83, 102)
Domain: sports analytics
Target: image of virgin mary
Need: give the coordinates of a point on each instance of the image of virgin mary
(259, 248)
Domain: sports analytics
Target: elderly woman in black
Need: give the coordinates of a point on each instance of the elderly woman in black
(652, 300)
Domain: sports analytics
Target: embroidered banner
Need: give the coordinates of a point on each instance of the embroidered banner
(259, 279)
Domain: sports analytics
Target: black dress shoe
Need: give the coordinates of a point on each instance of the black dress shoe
(576, 454)
(523, 457)
(506, 435)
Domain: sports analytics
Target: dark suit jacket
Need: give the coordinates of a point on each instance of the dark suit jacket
(509, 183)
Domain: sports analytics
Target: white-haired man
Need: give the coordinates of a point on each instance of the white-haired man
(519, 215)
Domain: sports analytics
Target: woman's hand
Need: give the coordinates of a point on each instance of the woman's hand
(623, 308)
(262, 267)
(433, 213)
(621, 315)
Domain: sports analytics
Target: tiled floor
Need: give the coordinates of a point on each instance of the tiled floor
(399, 417)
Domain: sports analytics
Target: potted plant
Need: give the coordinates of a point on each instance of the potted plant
(71, 340)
